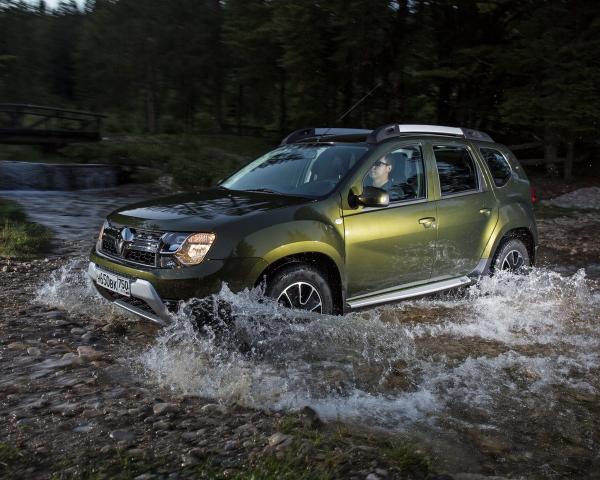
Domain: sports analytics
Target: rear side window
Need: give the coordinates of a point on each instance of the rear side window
(497, 164)
(456, 169)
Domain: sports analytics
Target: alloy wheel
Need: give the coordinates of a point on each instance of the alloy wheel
(513, 261)
(301, 296)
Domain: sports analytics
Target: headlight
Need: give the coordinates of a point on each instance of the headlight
(195, 247)
(101, 234)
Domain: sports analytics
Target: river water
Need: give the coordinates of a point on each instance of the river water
(502, 378)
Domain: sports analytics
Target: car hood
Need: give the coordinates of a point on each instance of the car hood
(206, 210)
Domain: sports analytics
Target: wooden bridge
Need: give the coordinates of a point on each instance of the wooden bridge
(52, 127)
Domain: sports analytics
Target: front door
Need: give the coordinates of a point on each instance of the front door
(392, 246)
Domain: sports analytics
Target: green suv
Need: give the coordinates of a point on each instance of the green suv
(331, 220)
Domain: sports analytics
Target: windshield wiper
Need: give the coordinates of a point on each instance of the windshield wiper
(262, 190)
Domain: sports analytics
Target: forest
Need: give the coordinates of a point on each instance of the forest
(525, 71)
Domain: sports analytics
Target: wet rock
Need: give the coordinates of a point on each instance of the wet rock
(87, 337)
(78, 331)
(66, 409)
(310, 418)
(193, 457)
(144, 476)
(122, 435)
(164, 408)
(23, 422)
(34, 352)
(189, 436)
(213, 408)
(279, 441)
(85, 428)
(17, 346)
(161, 425)
(476, 476)
(372, 476)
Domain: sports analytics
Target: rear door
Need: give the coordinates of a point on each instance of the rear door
(467, 209)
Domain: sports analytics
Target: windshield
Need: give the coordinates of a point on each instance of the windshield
(303, 170)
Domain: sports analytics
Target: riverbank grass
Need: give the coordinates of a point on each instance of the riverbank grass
(20, 238)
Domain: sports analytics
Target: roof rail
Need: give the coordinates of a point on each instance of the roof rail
(312, 132)
(395, 130)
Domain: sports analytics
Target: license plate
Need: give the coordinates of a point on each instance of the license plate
(113, 282)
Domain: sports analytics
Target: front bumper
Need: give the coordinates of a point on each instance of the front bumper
(154, 287)
(142, 290)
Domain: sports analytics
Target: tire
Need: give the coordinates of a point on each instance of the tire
(301, 286)
(512, 256)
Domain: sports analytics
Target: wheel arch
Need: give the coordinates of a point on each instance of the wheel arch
(318, 260)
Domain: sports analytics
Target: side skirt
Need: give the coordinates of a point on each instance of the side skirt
(375, 299)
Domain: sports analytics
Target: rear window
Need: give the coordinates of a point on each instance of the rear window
(498, 165)
(456, 169)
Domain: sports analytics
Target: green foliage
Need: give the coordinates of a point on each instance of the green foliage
(193, 161)
(191, 66)
(18, 237)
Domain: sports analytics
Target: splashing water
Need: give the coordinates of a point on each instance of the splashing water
(393, 365)
(69, 288)
(507, 359)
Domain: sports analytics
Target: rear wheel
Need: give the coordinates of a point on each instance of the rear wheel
(512, 256)
(302, 287)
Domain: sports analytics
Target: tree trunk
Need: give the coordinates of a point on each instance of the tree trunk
(240, 109)
(282, 103)
(568, 172)
(550, 151)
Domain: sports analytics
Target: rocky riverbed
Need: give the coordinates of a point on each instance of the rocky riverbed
(499, 381)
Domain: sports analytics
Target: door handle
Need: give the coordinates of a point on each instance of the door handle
(427, 222)
(485, 211)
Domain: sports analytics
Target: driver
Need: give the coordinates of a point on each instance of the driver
(380, 173)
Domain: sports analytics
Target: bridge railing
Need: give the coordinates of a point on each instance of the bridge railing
(21, 117)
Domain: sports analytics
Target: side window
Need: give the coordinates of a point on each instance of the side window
(456, 169)
(401, 173)
(497, 164)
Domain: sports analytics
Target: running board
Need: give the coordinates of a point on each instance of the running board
(409, 292)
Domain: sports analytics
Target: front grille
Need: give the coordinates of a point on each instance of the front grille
(108, 246)
(142, 249)
(137, 256)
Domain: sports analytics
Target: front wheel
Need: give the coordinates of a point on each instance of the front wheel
(302, 287)
(512, 256)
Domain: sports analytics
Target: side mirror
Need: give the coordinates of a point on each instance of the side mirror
(373, 197)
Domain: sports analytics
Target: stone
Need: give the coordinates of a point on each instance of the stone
(88, 353)
(34, 351)
(65, 409)
(372, 476)
(212, 408)
(85, 428)
(189, 436)
(122, 435)
(78, 331)
(144, 476)
(279, 439)
(164, 408)
(87, 337)
(310, 418)
(16, 346)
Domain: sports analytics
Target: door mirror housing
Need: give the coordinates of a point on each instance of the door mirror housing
(373, 197)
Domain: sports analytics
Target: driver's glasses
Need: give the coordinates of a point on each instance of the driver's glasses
(379, 163)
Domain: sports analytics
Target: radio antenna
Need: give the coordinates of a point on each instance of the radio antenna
(358, 103)
(351, 108)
